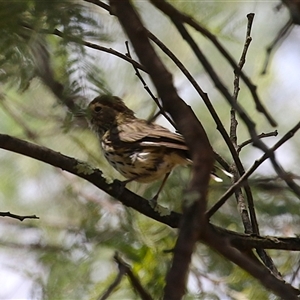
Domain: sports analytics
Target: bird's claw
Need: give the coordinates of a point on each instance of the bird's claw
(119, 186)
(153, 203)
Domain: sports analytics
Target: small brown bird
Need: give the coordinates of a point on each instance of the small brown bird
(139, 150)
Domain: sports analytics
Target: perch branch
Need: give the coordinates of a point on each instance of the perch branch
(129, 199)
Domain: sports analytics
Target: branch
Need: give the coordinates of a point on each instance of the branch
(114, 284)
(175, 14)
(83, 170)
(146, 87)
(18, 217)
(250, 226)
(255, 268)
(206, 101)
(281, 35)
(135, 282)
(202, 155)
(124, 269)
(97, 47)
(129, 199)
(245, 242)
(260, 136)
(256, 164)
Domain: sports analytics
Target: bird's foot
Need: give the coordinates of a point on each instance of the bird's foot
(153, 203)
(163, 211)
(119, 186)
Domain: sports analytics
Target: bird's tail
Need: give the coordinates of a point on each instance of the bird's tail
(217, 178)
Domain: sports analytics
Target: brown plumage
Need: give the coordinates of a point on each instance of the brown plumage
(139, 150)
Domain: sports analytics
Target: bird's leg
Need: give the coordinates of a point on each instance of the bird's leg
(154, 199)
(122, 184)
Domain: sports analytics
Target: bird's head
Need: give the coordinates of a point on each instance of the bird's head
(107, 111)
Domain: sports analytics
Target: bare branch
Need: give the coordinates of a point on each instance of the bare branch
(207, 102)
(281, 288)
(134, 201)
(174, 14)
(99, 3)
(250, 226)
(83, 170)
(114, 284)
(98, 47)
(260, 136)
(249, 172)
(146, 87)
(282, 34)
(134, 280)
(18, 217)
(195, 138)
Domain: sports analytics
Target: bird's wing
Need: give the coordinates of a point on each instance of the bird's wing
(148, 135)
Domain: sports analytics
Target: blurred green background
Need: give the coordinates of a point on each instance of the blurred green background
(68, 252)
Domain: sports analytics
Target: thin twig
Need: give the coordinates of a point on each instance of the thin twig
(281, 35)
(18, 217)
(260, 136)
(207, 102)
(115, 283)
(240, 199)
(129, 199)
(79, 41)
(239, 195)
(100, 4)
(248, 225)
(196, 139)
(146, 87)
(97, 47)
(172, 12)
(134, 280)
(176, 19)
(250, 171)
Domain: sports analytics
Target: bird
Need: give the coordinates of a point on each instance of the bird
(140, 150)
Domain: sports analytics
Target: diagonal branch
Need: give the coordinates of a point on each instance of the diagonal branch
(279, 287)
(176, 18)
(250, 171)
(281, 35)
(129, 199)
(193, 220)
(83, 170)
(134, 280)
(201, 152)
(175, 14)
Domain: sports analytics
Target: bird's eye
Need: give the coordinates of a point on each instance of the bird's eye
(97, 109)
